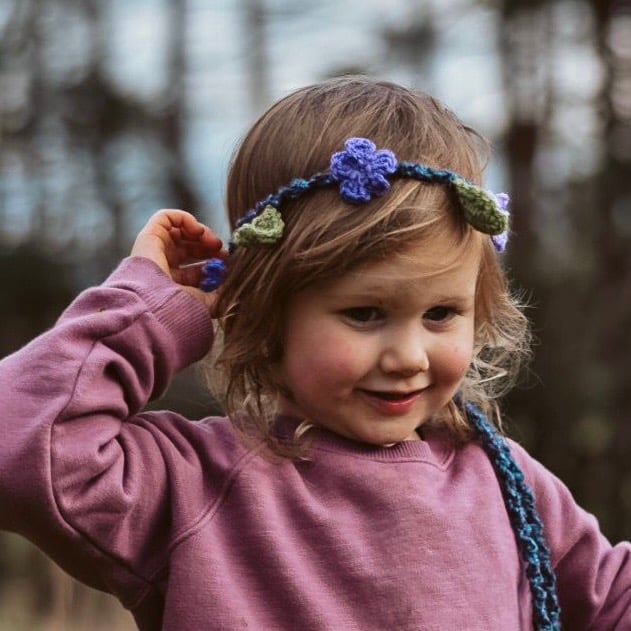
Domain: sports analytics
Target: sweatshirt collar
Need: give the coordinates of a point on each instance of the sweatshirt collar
(435, 447)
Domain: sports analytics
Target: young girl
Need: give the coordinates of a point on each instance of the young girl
(364, 331)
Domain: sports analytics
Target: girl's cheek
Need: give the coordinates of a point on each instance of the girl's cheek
(460, 359)
(335, 361)
(338, 359)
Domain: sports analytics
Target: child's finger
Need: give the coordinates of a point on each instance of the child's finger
(172, 223)
(194, 252)
(189, 274)
(194, 230)
(167, 236)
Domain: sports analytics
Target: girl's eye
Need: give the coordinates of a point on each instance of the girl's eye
(439, 314)
(364, 315)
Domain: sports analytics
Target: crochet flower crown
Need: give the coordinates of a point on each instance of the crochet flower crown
(362, 172)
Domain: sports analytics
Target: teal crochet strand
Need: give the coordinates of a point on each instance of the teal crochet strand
(520, 504)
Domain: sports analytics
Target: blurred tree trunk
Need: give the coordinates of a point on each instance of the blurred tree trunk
(38, 116)
(525, 56)
(578, 423)
(413, 44)
(173, 129)
(101, 114)
(610, 306)
(21, 73)
(256, 55)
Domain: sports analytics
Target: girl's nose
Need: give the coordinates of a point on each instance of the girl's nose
(405, 355)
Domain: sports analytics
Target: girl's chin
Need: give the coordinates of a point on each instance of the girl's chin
(372, 433)
(379, 440)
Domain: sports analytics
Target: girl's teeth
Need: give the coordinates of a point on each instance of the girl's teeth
(391, 396)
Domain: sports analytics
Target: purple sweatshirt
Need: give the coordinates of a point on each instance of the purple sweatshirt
(193, 531)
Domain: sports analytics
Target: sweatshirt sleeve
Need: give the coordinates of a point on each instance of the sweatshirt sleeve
(82, 473)
(593, 577)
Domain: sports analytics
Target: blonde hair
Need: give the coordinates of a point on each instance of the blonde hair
(325, 238)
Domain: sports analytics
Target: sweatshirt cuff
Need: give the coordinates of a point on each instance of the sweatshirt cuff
(186, 318)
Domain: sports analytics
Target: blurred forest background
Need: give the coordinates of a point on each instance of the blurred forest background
(111, 110)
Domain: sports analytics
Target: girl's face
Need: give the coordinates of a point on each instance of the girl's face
(373, 355)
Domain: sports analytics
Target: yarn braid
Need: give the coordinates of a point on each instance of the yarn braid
(520, 504)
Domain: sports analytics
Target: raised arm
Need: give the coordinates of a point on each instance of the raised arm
(80, 474)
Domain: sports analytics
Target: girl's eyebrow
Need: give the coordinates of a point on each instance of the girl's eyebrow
(359, 289)
(381, 294)
(461, 297)
(376, 289)
(371, 295)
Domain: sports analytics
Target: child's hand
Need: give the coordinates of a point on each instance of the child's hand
(172, 238)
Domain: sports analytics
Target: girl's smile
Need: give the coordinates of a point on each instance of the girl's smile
(373, 355)
(392, 403)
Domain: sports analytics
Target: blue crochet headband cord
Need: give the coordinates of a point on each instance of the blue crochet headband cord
(362, 172)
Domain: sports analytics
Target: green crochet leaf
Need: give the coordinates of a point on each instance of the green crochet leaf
(265, 229)
(480, 208)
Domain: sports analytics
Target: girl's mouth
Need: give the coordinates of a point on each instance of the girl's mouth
(391, 396)
(391, 403)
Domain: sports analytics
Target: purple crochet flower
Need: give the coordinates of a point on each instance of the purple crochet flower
(361, 170)
(500, 240)
(213, 274)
